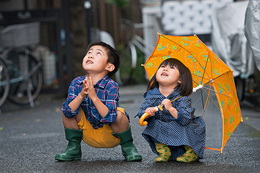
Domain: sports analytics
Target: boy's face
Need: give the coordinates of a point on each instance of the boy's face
(95, 61)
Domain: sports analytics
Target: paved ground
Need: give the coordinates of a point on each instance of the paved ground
(30, 138)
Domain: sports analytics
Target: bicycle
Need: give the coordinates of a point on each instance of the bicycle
(21, 76)
(129, 54)
(4, 81)
(22, 79)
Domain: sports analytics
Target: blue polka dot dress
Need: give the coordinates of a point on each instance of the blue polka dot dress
(187, 129)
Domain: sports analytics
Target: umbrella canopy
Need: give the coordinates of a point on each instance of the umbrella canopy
(214, 92)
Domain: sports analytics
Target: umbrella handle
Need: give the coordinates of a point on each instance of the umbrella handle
(141, 121)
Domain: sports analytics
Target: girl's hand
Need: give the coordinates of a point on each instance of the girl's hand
(167, 104)
(150, 111)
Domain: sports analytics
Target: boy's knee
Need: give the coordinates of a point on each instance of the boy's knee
(71, 123)
(121, 124)
(77, 117)
(120, 116)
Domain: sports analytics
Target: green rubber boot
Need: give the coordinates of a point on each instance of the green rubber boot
(128, 149)
(73, 150)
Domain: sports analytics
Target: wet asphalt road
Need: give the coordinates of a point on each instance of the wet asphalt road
(30, 138)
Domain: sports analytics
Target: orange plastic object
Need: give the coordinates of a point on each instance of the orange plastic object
(141, 121)
(160, 107)
(145, 115)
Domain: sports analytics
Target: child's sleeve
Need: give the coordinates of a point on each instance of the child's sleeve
(143, 107)
(72, 94)
(185, 111)
(146, 104)
(111, 102)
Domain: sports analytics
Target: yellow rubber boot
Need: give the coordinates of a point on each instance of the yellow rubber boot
(188, 156)
(164, 152)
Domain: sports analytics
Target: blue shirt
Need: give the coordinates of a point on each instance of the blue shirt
(107, 91)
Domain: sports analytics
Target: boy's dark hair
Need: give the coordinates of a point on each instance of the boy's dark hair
(185, 87)
(112, 54)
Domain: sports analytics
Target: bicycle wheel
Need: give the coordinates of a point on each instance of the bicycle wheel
(127, 65)
(4, 82)
(25, 77)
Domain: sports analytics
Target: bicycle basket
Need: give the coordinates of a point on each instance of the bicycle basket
(20, 35)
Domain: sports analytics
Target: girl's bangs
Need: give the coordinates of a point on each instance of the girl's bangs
(171, 62)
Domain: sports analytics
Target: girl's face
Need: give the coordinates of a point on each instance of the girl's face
(168, 76)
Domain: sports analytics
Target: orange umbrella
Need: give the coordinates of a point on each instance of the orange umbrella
(214, 92)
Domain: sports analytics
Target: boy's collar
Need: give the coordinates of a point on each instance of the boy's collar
(102, 82)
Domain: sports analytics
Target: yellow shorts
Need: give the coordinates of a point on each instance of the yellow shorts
(98, 138)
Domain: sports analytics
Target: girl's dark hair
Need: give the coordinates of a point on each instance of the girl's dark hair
(185, 87)
(112, 54)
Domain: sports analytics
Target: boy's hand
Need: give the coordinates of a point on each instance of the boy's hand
(90, 90)
(150, 111)
(84, 91)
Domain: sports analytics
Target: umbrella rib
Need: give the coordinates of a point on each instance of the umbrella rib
(207, 60)
(199, 61)
(218, 92)
(211, 89)
(204, 108)
(210, 98)
(212, 81)
(203, 104)
(149, 65)
(196, 71)
(204, 70)
(220, 75)
(199, 76)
